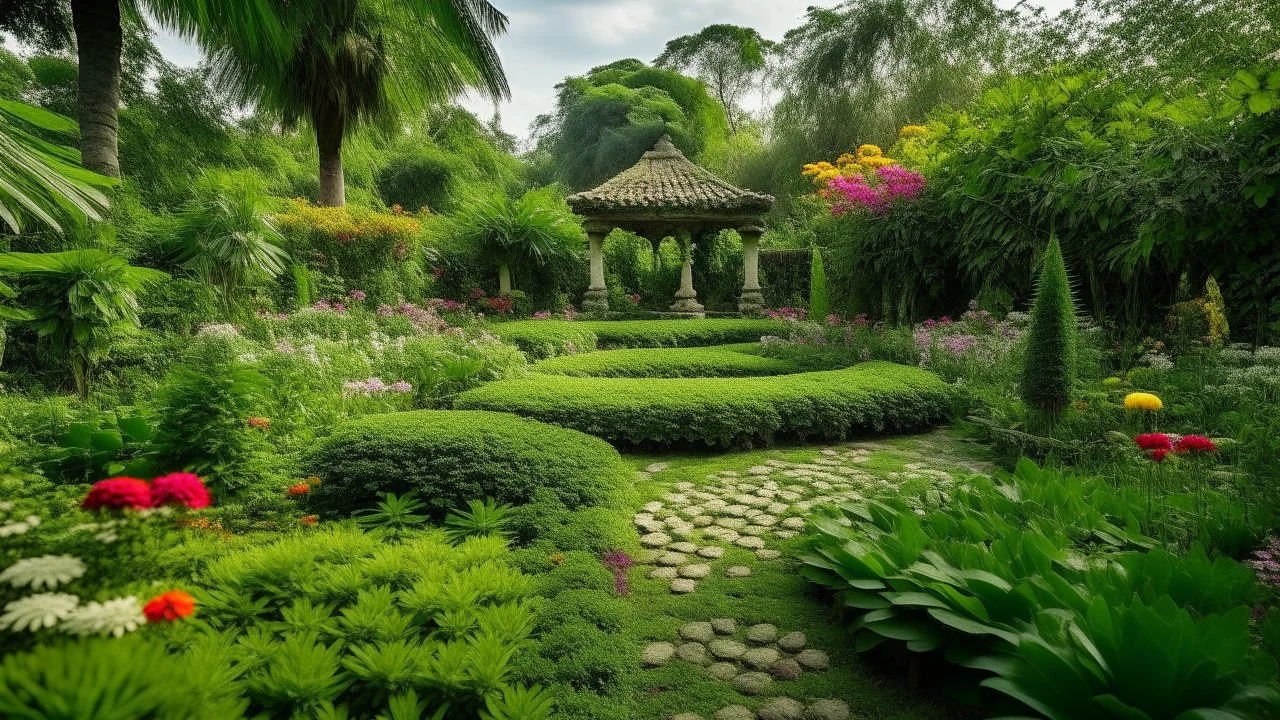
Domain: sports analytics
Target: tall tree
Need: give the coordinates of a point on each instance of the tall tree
(354, 62)
(98, 27)
(730, 59)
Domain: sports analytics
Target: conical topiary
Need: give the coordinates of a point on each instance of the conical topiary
(819, 302)
(1049, 367)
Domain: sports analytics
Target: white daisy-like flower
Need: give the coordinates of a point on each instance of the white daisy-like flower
(37, 611)
(106, 537)
(16, 528)
(113, 617)
(45, 571)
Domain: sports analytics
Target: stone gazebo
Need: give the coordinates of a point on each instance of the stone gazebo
(665, 195)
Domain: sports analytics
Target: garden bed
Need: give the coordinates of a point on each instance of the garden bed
(872, 397)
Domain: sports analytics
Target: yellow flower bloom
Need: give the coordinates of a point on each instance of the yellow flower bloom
(1142, 401)
(910, 131)
(846, 159)
(869, 151)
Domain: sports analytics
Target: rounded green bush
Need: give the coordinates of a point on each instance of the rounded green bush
(548, 338)
(715, 361)
(873, 396)
(449, 457)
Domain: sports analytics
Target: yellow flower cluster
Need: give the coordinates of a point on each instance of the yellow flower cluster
(1142, 401)
(346, 223)
(867, 157)
(911, 131)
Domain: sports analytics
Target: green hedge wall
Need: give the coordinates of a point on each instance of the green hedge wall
(873, 396)
(450, 457)
(548, 338)
(716, 361)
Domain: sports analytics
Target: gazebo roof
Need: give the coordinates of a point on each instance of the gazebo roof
(664, 183)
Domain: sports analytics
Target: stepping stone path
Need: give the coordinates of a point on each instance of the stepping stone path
(687, 534)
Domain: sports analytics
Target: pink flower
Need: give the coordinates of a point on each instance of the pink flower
(356, 295)
(833, 320)
(180, 488)
(477, 293)
(339, 307)
(1154, 441)
(401, 386)
(322, 305)
(1194, 444)
(542, 315)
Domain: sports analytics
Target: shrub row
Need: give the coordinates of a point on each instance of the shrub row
(874, 396)
(548, 338)
(715, 361)
(450, 457)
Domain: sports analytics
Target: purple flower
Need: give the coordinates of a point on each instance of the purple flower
(356, 295)
(958, 344)
(339, 307)
(322, 305)
(542, 315)
(618, 563)
(401, 386)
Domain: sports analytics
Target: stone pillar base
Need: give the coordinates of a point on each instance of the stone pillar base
(596, 300)
(687, 305)
(751, 303)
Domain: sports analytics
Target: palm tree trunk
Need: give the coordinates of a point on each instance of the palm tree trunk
(99, 40)
(504, 279)
(329, 140)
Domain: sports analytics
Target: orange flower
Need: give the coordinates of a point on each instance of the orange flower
(261, 423)
(299, 490)
(309, 519)
(169, 606)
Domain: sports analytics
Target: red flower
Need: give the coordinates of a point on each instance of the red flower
(261, 423)
(122, 493)
(309, 519)
(1194, 444)
(169, 606)
(299, 489)
(1154, 441)
(180, 488)
(1158, 454)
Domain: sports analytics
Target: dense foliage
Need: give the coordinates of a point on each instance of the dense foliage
(548, 338)
(718, 361)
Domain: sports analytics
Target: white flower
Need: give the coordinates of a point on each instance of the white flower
(44, 571)
(113, 617)
(37, 611)
(6, 506)
(17, 528)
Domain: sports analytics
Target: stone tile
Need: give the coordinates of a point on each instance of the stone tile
(712, 552)
(752, 683)
(762, 634)
(724, 671)
(696, 571)
(726, 649)
(657, 653)
(724, 626)
(813, 659)
(683, 586)
(692, 652)
(761, 658)
(765, 554)
(655, 539)
(749, 542)
(782, 708)
(737, 571)
(664, 573)
(672, 559)
(793, 642)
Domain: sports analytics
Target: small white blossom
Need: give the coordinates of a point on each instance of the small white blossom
(17, 528)
(37, 611)
(44, 571)
(6, 506)
(113, 617)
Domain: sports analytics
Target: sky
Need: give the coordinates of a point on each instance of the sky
(548, 40)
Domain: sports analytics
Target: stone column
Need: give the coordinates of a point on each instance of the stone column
(686, 296)
(751, 301)
(597, 298)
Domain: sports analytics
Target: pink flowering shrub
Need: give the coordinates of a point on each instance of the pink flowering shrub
(875, 192)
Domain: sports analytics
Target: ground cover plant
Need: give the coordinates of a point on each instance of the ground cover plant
(871, 397)
(740, 360)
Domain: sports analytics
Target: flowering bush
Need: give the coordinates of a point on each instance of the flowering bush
(787, 313)
(182, 489)
(122, 493)
(348, 242)
(1194, 444)
(875, 192)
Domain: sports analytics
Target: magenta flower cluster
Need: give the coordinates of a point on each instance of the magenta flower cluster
(787, 313)
(888, 184)
(618, 562)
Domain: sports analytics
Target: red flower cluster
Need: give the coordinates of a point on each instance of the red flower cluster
(180, 488)
(309, 519)
(1194, 444)
(1158, 454)
(260, 423)
(1154, 441)
(299, 489)
(169, 606)
(501, 304)
(122, 493)
(126, 493)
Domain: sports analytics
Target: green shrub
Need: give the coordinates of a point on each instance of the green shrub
(451, 457)
(873, 396)
(548, 526)
(546, 338)
(819, 302)
(1048, 369)
(715, 361)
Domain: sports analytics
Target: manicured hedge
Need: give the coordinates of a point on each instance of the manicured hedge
(873, 396)
(715, 361)
(450, 457)
(548, 338)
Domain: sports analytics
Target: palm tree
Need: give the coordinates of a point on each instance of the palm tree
(362, 61)
(225, 237)
(531, 230)
(41, 179)
(99, 38)
(78, 301)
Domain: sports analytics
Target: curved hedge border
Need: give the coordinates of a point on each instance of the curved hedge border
(715, 361)
(449, 457)
(873, 396)
(548, 338)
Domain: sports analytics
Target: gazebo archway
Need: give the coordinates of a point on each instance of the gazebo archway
(666, 195)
